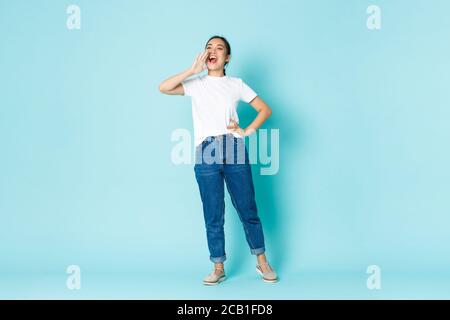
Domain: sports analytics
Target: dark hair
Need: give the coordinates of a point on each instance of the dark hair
(227, 45)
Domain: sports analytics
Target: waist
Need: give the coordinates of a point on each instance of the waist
(220, 137)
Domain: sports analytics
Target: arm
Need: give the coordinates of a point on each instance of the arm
(173, 84)
(264, 112)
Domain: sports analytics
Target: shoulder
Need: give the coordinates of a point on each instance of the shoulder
(234, 79)
(238, 81)
(194, 78)
(235, 82)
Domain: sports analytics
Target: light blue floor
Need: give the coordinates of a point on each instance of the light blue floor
(171, 284)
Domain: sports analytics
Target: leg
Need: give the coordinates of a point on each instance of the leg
(211, 186)
(238, 177)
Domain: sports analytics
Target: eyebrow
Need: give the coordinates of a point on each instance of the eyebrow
(209, 44)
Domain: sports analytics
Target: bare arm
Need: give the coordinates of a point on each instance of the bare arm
(173, 84)
(264, 112)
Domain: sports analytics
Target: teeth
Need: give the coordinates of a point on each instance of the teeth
(211, 57)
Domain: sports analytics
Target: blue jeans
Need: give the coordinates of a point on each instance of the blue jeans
(225, 158)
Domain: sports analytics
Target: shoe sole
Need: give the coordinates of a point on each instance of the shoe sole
(264, 279)
(222, 279)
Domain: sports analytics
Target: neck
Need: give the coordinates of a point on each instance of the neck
(215, 73)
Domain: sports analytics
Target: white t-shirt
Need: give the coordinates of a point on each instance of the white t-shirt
(214, 102)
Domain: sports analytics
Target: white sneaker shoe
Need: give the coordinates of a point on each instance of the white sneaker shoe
(213, 278)
(270, 276)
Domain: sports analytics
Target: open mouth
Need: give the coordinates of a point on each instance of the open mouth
(212, 59)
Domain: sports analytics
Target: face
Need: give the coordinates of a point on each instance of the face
(217, 54)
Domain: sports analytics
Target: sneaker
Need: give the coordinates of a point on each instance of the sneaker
(213, 278)
(269, 276)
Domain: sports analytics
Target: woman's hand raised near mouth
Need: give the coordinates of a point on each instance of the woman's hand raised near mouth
(200, 62)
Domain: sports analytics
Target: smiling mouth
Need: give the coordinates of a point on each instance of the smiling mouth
(212, 60)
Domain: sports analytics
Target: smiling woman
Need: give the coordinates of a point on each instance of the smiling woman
(217, 133)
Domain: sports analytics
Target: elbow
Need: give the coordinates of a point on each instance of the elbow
(268, 112)
(163, 87)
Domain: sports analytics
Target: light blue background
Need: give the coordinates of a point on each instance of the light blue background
(86, 174)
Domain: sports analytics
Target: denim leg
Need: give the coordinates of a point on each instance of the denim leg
(238, 177)
(211, 186)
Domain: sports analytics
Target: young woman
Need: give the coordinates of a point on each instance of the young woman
(221, 154)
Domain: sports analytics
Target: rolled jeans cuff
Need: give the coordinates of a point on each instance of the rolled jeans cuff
(218, 259)
(258, 250)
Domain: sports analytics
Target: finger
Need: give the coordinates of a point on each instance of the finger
(197, 59)
(205, 55)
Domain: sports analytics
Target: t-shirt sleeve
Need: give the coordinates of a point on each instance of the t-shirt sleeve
(246, 93)
(189, 86)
